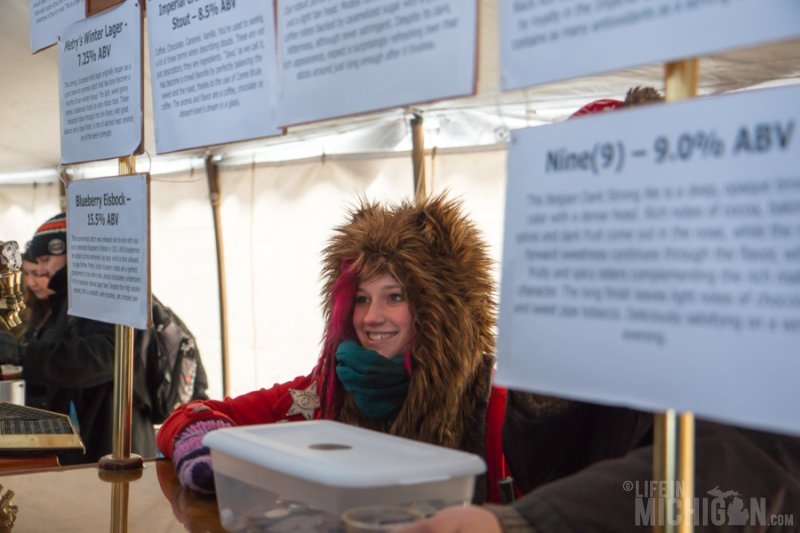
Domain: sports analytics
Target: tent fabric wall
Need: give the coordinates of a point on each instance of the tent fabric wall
(23, 208)
(183, 264)
(276, 219)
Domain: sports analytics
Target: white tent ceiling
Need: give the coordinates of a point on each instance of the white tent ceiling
(29, 138)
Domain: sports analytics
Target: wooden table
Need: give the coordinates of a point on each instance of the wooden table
(80, 499)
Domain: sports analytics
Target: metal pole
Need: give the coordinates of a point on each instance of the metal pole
(119, 507)
(686, 471)
(121, 457)
(123, 391)
(213, 188)
(680, 80)
(120, 496)
(421, 185)
(673, 447)
(664, 438)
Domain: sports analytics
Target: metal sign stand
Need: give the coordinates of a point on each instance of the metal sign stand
(121, 457)
(673, 434)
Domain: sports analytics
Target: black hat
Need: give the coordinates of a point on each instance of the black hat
(50, 238)
(26, 255)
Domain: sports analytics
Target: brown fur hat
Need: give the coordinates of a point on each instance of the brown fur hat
(641, 96)
(634, 96)
(441, 261)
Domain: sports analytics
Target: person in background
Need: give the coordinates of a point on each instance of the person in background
(408, 345)
(36, 293)
(70, 359)
(573, 460)
(35, 285)
(743, 478)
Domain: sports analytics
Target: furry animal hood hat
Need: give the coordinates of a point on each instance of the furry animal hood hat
(634, 96)
(441, 261)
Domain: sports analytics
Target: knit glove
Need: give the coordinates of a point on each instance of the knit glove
(193, 460)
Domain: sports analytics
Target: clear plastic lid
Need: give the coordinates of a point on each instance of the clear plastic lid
(340, 455)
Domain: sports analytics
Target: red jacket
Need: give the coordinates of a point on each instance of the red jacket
(266, 406)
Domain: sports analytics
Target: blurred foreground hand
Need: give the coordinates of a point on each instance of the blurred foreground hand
(471, 519)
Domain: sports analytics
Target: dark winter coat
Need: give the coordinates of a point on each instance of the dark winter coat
(546, 438)
(582, 478)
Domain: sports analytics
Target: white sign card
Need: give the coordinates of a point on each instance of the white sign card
(547, 40)
(100, 80)
(108, 247)
(49, 18)
(341, 57)
(652, 258)
(213, 72)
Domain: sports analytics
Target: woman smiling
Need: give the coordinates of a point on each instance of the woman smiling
(408, 347)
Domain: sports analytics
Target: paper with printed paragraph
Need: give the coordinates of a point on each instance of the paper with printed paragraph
(549, 40)
(108, 250)
(342, 57)
(100, 85)
(652, 259)
(49, 18)
(213, 72)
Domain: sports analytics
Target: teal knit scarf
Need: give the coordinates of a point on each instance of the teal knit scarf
(379, 385)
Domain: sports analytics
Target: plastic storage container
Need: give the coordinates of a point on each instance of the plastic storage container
(301, 476)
